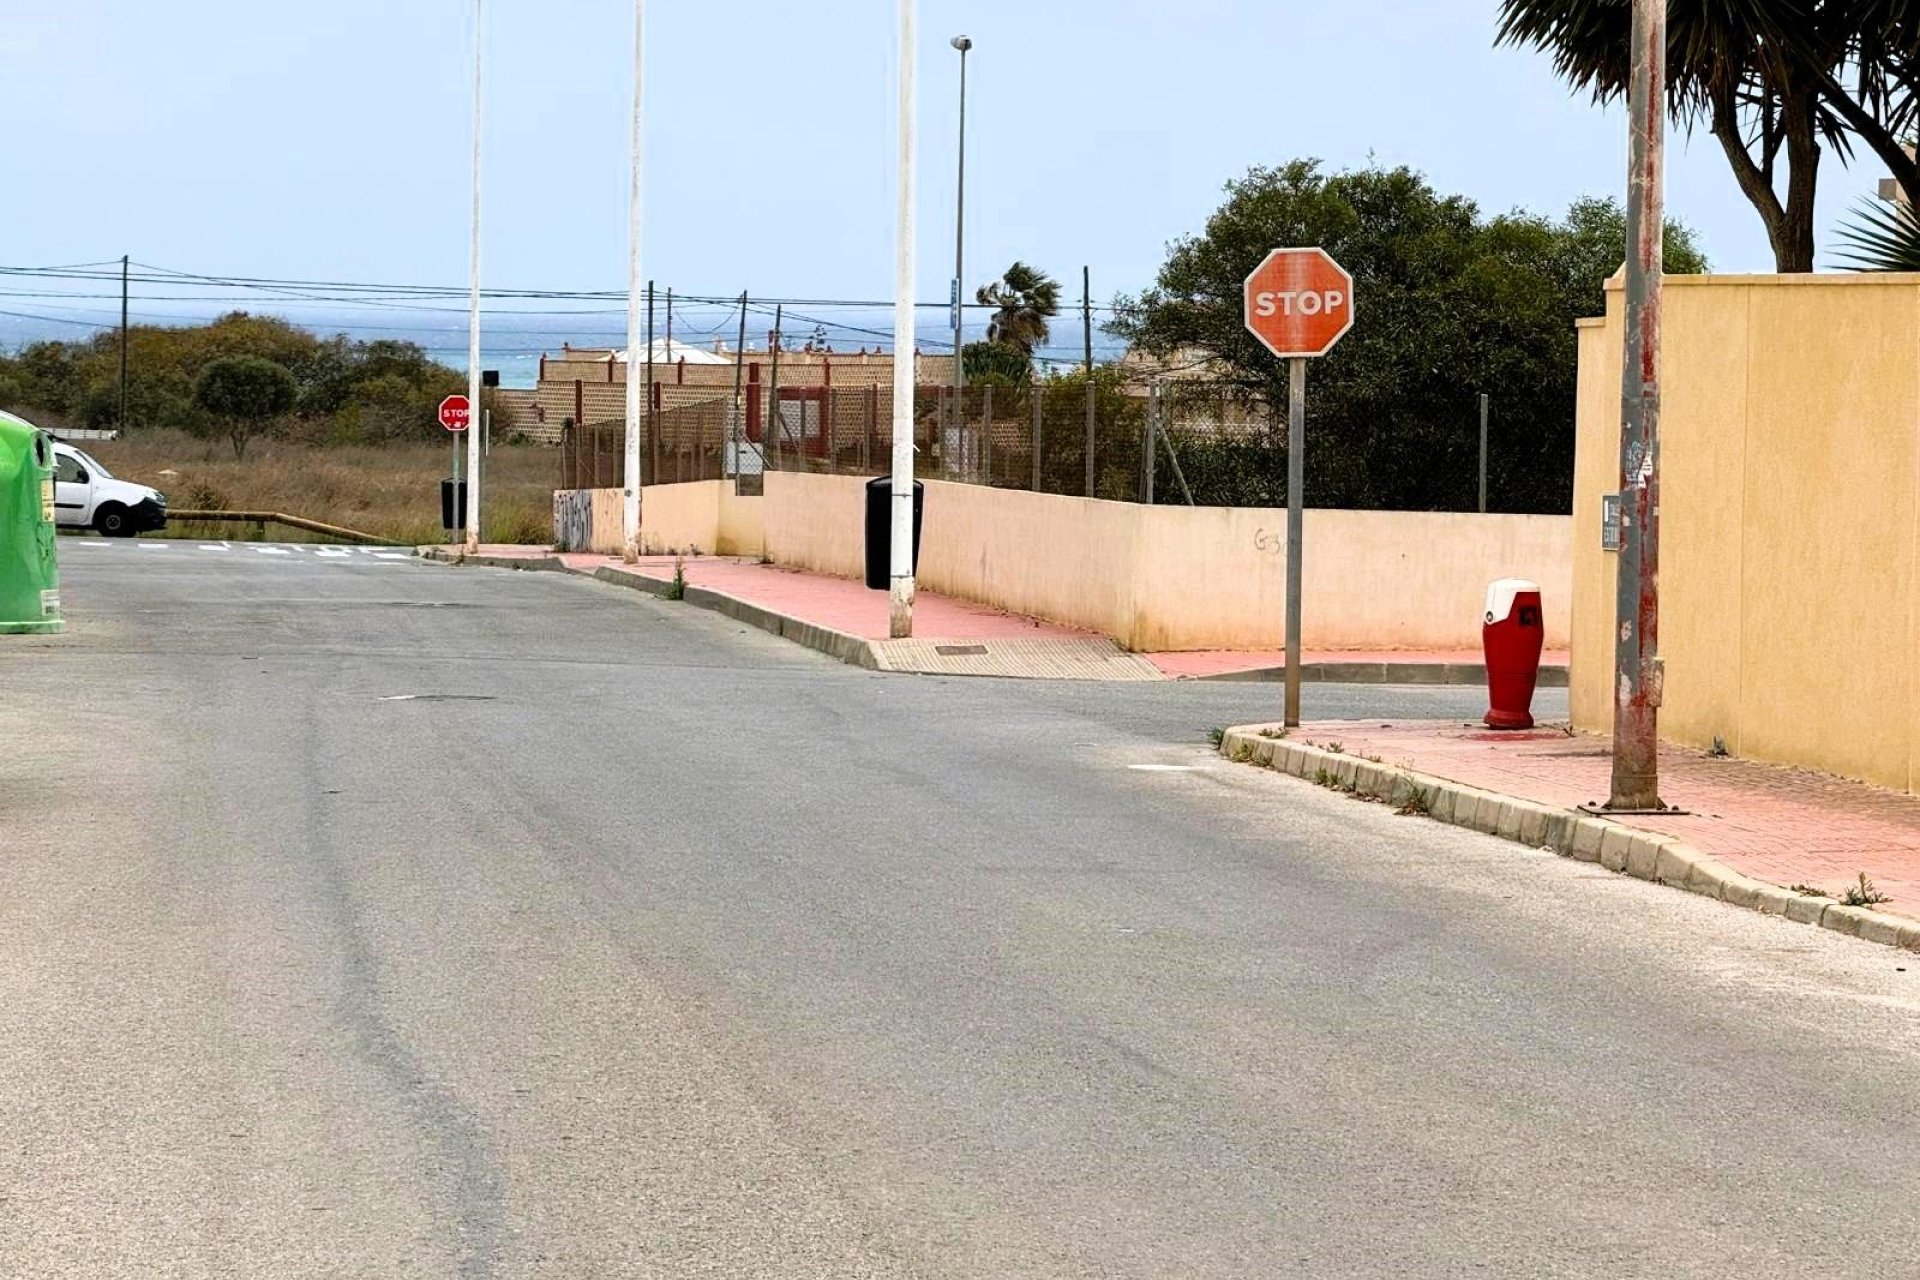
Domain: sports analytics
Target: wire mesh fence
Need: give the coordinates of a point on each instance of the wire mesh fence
(1099, 437)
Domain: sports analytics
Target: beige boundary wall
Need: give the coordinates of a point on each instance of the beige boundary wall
(1153, 578)
(1161, 578)
(703, 517)
(1790, 496)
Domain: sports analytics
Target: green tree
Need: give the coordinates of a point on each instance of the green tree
(245, 395)
(1774, 81)
(1000, 363)
(1882, 236)
(1449, 306)
(1025, 300)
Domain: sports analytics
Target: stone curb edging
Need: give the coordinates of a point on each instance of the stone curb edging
(1646, 855)
(1433, 673)
(838, 645)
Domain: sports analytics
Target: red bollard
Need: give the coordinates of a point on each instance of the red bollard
(1512, 638)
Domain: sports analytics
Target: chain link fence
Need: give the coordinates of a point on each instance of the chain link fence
(1102, 437)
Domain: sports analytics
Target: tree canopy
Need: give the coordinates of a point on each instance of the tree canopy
(345, 391)
(244, 394)
(1449, 305)
(1025, 299)
(1774, 81)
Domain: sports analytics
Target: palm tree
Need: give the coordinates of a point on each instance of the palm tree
(1765, 76)
(1883, 236)
(1025, 298)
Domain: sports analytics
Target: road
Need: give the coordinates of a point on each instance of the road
(362, 917)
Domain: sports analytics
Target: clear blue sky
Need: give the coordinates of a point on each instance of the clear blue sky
(331, 140)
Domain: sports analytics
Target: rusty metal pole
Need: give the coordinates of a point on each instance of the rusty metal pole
(1637, 669)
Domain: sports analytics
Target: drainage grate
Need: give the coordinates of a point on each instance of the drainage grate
(960, 650)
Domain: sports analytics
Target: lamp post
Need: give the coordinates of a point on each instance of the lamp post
(473, 304)
(962, 43)
(901, 581)
(630, 499)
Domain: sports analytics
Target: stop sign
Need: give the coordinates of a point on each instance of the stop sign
(1299, 302)
(454, 413)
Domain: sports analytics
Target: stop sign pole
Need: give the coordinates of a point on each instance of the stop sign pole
(1298, 303)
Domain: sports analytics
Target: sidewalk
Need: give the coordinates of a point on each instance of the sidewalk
(1017, 645)
(1775, 824)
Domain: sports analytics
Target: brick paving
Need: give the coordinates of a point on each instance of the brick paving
(1785, 826)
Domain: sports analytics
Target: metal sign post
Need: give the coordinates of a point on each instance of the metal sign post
(1298, 302)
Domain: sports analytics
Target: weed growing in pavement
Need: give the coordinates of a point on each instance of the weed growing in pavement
(1863, 894)
(1808, 891)
(677, 589)
(1417, 804)
(1370, 758)
(1719, 748)
(1334, 748)
(1275, 734)
(1241, 753)
(1216, 736)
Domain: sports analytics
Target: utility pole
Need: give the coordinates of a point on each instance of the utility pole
(900, 569)
(776, 424)
(123, 344)
(739, 367)
(1638, 675)
(648, 444)
(1483, 453)
(631, 513)
(473, 300)
(1086, 329)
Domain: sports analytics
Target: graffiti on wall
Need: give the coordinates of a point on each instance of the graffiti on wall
(573, 519)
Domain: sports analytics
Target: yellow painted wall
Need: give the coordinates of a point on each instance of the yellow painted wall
(1790, 488)
(1158, 578)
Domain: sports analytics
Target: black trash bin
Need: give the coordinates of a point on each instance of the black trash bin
(880, 530)
(453, 506)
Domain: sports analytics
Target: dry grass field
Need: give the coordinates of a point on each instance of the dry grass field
(392, 491)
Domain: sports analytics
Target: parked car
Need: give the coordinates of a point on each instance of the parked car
(87, 496)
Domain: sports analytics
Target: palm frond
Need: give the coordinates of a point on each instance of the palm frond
(1881, 237)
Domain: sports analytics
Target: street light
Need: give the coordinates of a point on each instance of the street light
(473, 304)
(962, 43)
(630, 499)
(900, 550)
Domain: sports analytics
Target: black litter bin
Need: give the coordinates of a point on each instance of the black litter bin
(453, 505)
(880, 530)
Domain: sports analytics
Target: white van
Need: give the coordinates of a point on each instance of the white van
(86, 496)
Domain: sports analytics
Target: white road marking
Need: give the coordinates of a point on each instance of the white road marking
(273, 551)
(391, 555)
(90, 542)
(325, 554)
(152, 546)
(215, 546)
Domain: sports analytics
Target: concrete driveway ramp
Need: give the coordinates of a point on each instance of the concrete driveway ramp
(1050, 658)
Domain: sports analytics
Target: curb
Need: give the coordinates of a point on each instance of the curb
(442, 556)
(838, 645)
(1429, 673)
(1645, 855)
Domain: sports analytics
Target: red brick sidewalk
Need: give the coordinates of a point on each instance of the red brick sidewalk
(846, 605)
(1784, 826)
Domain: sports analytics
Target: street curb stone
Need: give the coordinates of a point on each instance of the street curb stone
(1645, 855)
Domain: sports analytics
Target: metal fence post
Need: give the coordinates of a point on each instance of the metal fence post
(1036, 398)
(1147, 457)
(986, 433)
(1089, 434)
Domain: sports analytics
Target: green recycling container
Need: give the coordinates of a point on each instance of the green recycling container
(29, 571)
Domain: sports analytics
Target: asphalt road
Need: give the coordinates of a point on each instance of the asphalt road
(360, 917)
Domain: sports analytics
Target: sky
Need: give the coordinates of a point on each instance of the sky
(332, 141)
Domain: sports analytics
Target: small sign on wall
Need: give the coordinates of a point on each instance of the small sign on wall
(1609, 522)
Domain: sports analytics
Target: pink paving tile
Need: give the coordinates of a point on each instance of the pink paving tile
(1785, 826)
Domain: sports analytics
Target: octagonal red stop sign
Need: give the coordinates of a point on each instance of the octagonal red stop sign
(1299, 302)
(455, 412)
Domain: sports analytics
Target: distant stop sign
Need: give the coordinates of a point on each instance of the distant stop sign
(1299, 302)
(455, 411)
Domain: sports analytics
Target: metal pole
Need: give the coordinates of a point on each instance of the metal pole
(776, 424)
(473, 301)
(1148, 455)
(739, 367)
(901, 584)
(630, 516)
(1038, 410)
(1483, 453)
(649, 444)
(453, 534)
(959, 252)
(1296, 476)
(1637, 669)
(123, 344)
(1086, 326)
